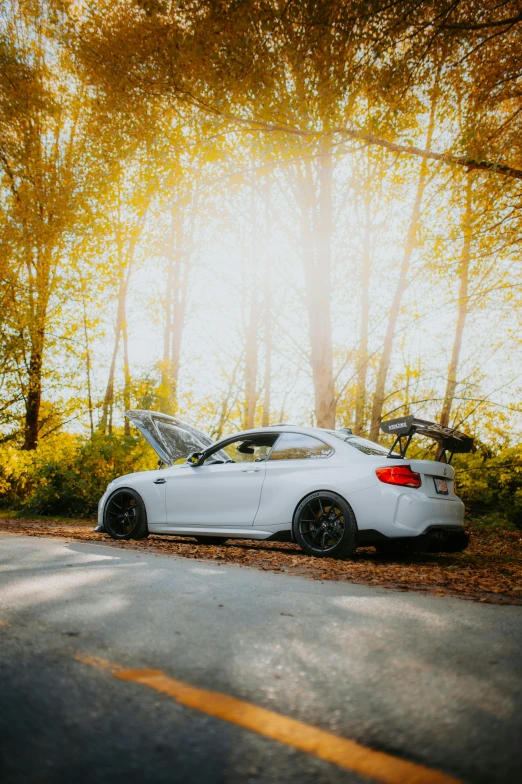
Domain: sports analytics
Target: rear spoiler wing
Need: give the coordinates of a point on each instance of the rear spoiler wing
(448, 440)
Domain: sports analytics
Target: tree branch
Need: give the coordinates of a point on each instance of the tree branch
(460, 160)
(481, 25)
(369, 138)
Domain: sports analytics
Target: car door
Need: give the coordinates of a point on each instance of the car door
(219, 493)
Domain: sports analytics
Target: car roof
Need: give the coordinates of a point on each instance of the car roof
(317, 432)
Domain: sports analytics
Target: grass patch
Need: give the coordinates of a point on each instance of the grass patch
(14, 514)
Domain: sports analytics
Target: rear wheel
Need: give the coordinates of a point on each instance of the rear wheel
(125, 516)
(211, 539)
(324, 526)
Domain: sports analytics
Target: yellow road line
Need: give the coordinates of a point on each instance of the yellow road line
(4, 623)
(324, 745)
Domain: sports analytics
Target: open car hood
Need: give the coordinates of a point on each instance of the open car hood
(170, 438)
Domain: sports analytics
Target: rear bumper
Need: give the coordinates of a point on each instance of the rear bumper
(404, 512)
(442, 540)
(435, 539)
(414, 513)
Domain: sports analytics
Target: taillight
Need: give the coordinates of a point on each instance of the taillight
(399, 475)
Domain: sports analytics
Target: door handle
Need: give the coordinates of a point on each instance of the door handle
(160, 481)
(250, 470)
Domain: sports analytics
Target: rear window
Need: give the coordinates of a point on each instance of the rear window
(362, 444)
(296, 446)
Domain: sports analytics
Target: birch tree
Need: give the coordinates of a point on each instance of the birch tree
(409, 246)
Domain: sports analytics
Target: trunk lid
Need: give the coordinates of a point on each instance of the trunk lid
(434, 474)
(429, 471)
(170, 438)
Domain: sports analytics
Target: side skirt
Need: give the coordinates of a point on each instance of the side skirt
(229, 533)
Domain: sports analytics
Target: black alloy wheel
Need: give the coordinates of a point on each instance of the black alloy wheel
(125, 516)
(324, 526)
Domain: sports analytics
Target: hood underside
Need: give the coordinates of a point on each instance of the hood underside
(170, 438)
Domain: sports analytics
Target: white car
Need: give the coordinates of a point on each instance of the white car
(328, 490)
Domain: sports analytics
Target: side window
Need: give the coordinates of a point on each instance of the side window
(368, 447)
(296, 446)
(362, 444)
(244, 450)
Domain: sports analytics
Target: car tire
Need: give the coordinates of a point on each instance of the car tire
(125, 516)
(211, 539)
(324, 526)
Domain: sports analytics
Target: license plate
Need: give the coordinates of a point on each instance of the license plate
(441, 486)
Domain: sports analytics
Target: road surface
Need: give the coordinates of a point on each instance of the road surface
(110, 660)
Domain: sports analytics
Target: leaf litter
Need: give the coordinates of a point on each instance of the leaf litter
(490, 570)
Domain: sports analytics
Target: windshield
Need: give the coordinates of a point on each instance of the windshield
(362, 444)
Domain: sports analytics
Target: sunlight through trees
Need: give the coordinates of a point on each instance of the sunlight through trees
(245, 213)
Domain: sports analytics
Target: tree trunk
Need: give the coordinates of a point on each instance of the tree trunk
(251, 364)
(252, 327)
(125, 264)
(178, 323)
(126, 370)
(164, 391)
(267, 315)
(87, 361)
(228, 402)
(268, 371)
(362, 356)
(178, 274)
(39, 301)
(108, 400)
(316, 232)
(451, 382)
(382, 373)
(34, 396)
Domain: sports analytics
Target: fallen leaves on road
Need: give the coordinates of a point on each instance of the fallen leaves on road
(489, 571)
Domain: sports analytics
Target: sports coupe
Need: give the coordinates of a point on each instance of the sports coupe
(328, 490)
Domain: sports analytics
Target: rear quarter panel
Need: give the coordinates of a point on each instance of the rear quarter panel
(287, 482)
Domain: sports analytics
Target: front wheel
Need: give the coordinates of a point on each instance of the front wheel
(125, 516)
(324, 526)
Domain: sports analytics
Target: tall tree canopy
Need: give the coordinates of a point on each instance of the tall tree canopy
(258, 185)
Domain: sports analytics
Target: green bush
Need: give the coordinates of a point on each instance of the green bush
(68, 476)
(492, 484)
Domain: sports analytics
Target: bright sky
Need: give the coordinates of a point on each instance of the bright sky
(214, 333)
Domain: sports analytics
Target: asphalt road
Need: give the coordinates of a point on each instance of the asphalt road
(437, 681)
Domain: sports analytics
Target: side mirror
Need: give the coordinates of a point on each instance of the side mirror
(195, 458)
